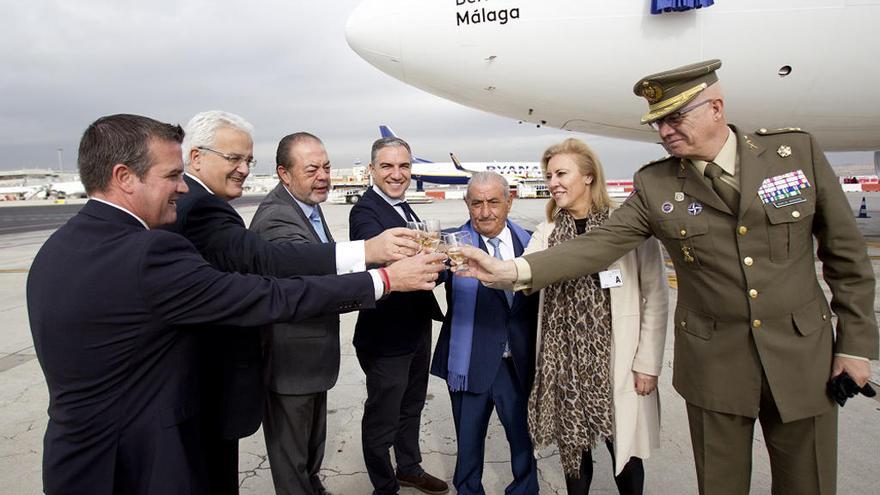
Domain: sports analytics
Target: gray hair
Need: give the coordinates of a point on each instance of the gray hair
(202, 128)
(480, 178)
(387, 142)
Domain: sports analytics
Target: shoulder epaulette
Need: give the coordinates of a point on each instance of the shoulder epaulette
(769, 132)
(658, 160)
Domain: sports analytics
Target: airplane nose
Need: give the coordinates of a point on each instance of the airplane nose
(373, 32)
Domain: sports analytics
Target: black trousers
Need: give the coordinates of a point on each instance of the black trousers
(396, 389)
(630, 481)
(221, 456)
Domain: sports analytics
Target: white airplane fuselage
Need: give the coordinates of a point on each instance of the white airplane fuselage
(446, 173)
(571, 64)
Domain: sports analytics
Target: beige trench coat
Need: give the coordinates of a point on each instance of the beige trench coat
(639, 310)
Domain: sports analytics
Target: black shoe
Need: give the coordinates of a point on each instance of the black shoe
(423, 482)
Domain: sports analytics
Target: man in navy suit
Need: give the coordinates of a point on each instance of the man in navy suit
(301, 365)
(105, 294)
(393, 341)
(218, 154)
(486, 349)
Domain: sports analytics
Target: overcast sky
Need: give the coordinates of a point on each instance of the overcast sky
(282, 64)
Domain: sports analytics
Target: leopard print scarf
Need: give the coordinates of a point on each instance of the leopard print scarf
(571, 402)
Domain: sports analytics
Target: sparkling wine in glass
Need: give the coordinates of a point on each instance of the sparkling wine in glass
(454, 241)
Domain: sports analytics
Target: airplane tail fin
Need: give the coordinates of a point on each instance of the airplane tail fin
(385, 132)
(457, 164)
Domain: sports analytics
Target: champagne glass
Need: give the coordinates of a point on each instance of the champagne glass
(454, 241)
(432, 234)
(419, 228)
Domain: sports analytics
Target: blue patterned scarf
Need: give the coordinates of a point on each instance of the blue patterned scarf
(464, 300)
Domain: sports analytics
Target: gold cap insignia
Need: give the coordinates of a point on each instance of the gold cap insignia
(652, 91)
(784, 151)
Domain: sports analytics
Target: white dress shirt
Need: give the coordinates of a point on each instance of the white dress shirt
(391, 201)
(506, 245)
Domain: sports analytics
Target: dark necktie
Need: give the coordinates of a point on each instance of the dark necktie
(728, 194)
(408, 212)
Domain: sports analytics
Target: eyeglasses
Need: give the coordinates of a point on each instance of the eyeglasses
(676, 118)
(233, 159)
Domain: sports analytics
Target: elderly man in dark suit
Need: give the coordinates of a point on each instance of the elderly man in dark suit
(104, 294)
(303, 364)
(393, 342)
(738, 213)
(486, 349)
(218, 154)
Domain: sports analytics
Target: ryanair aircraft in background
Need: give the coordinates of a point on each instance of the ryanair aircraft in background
(458, 173)
(571, 64)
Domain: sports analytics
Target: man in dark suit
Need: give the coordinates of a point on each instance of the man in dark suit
(300, 365)
(393, 342)
(218, 154)
(104, 294)
(486, 349)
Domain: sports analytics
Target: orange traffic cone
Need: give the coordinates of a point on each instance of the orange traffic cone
(863, 210)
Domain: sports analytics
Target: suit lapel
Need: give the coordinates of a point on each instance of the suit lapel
(752, 169)
(518, 249)
(389, 215)
(282, 196)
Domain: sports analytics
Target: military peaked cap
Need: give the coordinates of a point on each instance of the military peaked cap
(671, 90)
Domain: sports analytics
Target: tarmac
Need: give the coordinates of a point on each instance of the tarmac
(670, 470)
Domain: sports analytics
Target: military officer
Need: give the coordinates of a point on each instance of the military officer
(737, 212)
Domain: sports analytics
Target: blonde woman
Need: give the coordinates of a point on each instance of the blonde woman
(600, 346)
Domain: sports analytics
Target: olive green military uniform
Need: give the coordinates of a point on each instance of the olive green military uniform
(753, 330)
(749, 302)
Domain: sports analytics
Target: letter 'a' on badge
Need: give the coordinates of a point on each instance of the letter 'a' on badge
(667, 207)
(784, 151)
(679, 196)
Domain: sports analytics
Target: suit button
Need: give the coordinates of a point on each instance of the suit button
(796, 214)
(753, 294)
(684, 324)
(748, 261)
(683, 232)
(743, 230)
(824, 317)
(756, 324)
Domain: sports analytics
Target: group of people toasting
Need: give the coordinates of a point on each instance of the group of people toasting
(185, 330)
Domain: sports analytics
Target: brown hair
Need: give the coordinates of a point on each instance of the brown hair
(588, 165)
(121, 138)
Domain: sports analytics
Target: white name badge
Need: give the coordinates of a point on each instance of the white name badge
(611, 278)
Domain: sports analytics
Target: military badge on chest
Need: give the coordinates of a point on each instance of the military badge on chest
(784, 190)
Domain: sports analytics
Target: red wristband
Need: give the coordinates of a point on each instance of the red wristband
(386, 280)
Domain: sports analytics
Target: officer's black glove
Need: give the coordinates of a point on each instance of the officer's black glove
(842, 387)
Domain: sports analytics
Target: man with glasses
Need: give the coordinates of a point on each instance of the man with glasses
(218, 154)
(737, 211)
